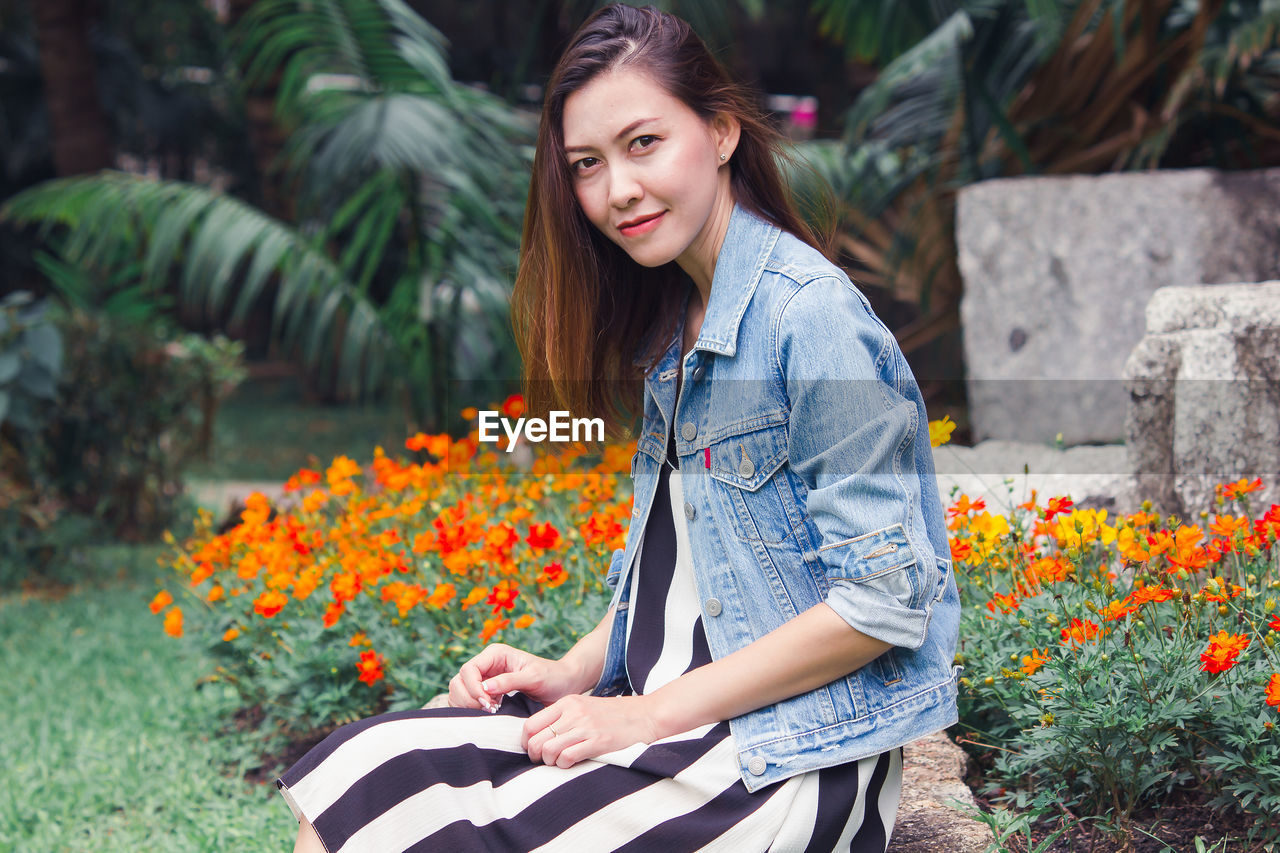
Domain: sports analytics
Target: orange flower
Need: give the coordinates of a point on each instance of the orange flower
(162, 600)
(1144, 594)
(1079, 632)
(333, 612)
(216, 593)
(1227, 525)
(370, 667)
(1274, 624)
(544, 536)
(1006, 602)
(230, 634)
(1117, 610)
(304, 477)
(964, 506)
(477, 594)
(345, 587)
(1033, 661)
(441, 595)
(491, 627)
(270, 603)
(961, 550)
(173, 622)
(553, 574)
(1241, 487)
(1220, 656)
(359, 638)
(524, 621)
(503, 596)
(1273, 691)
(257, 510)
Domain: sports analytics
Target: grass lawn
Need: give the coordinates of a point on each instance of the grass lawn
(266, 431)
(105, 743)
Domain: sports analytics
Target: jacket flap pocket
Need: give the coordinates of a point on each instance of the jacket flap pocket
(871, 554)
(749, 459)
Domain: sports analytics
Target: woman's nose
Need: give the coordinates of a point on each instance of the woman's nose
(624, 187)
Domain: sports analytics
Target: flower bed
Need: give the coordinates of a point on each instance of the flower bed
(1114, 666)
(369, 588)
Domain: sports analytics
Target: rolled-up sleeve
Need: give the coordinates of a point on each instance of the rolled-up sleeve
(855, 418)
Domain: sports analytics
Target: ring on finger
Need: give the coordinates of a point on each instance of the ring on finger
(553, 731)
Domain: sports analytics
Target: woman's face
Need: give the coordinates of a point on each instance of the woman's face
(647, 170)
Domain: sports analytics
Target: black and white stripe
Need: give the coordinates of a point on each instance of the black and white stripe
(454, 778)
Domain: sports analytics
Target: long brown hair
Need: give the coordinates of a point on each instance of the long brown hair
(589, 320)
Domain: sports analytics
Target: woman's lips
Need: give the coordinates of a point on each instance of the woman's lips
(642, 227)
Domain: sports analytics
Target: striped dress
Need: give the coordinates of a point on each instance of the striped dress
(456, 778)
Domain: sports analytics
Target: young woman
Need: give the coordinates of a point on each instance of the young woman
(784, 614)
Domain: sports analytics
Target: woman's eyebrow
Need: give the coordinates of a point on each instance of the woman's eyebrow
(571, 148)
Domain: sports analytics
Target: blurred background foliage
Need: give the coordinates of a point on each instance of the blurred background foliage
(339, 184)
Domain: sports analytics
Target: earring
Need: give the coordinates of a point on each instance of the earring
(723, 156)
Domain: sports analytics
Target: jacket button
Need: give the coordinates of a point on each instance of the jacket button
(689, 431)
(689, 511)
(747, 469)
(713, 609)
(698, 373)
(757, 765)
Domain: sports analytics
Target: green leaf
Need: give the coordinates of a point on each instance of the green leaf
(10, 364)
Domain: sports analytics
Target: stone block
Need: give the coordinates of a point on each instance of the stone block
(1058, 272)
(1204, 390)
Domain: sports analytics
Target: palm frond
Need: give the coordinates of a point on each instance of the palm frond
(223, 251)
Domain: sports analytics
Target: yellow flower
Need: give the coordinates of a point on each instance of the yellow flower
(940, 431)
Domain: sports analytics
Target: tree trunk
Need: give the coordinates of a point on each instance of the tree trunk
(82, 138)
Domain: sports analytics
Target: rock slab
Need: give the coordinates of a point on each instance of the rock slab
(933, 772)
(1204, 395)
(1057, 274)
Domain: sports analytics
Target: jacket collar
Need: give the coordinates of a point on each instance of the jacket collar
(748, 243)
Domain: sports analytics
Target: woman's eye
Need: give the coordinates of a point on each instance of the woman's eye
(643, 141)
(580, 166)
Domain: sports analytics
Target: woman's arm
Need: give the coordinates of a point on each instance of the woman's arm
(815, 648)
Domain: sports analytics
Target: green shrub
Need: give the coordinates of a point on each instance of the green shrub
(1113, 666)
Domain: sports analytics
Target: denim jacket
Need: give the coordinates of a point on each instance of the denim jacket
(801, 412)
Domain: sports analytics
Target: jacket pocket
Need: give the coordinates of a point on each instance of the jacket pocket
(756, 492)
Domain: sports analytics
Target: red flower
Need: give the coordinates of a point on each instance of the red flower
(544, 536)
(553, 574)
(1079, 632)
(162, 600)
(1057, 505)
(513, 406)
(370, 667)
(1273, 691)
(503, 595)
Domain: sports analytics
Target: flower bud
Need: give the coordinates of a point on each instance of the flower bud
(988, 681)
(1046, 719)
(1051, 619)
(1223, 610)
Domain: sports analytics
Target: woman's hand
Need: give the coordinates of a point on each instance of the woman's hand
(499, 669)
(579, 727)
